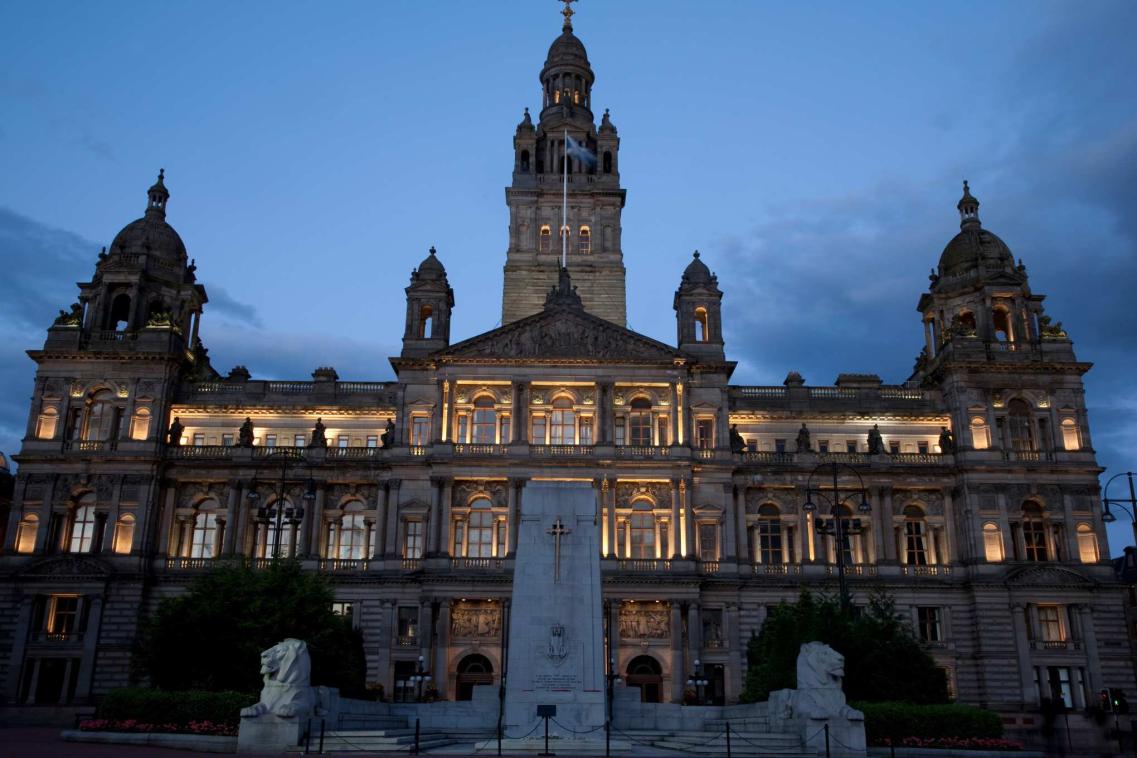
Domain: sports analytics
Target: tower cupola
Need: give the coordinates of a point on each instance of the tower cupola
(698, 312)
(157, 196)
(429, 302)
(968, 209)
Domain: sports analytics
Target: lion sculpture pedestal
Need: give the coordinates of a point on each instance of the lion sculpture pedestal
(277, 722)
(818, 702)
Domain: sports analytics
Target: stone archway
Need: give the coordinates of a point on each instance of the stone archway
(472, 670)
(645, 672)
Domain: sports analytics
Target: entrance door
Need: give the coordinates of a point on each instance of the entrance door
(646, 673)
(472, 671)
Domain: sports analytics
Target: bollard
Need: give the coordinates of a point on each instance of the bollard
(607, 738)
(418, 733)
(728, 739)
(308, 736)
(323, 723)
(827, 741)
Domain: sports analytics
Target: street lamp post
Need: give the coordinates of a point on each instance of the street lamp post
(278, 511)
(419, 679)
(836, 525)
(698, 682)
(612, 676)
(1121, 502)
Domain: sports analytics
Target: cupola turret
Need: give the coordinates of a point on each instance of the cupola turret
(698, 312)
(429, 303)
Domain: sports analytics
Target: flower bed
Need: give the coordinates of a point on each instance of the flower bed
(952, 743)
(209, 728)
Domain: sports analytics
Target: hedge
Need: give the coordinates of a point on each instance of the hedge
(170, 707)
(899, 720)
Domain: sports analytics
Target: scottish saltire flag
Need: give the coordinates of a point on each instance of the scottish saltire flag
(579, 151)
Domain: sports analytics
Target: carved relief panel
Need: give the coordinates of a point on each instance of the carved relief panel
(639, 623)
(470, 621)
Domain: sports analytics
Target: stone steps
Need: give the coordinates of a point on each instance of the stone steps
(378, 741)
(743, 743)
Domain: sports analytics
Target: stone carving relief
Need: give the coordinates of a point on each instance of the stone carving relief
(473, 622)
(465, 489)
(645, 624)
(933, 500)
(658, 492)
(190, 494)
(786, 500)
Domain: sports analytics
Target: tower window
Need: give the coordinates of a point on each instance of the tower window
(607, 161)
(585, 240)
(702, 332)
(545, 242)
(119, 317)
(1002, 323)
(524, 161)
(426, 322)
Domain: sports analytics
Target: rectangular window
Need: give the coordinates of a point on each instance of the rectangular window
(227, 440)
(198, 439)
(661, 425)
(1050, 623)
(712, 627)
(894, 447)
(459, 536)
(408, 623)
(1058, 677)
(463, 427)
(779, 446)
(270, 440)
(45, 426)
(506, 431)
(372, 440)
(622, 539)
(586, 430)
(922, 448)
(538, 434)
(705, 434)
(412, 539)
(620, 432)
(299, 440)
(420, 431)
(929, 624)
(850, 446)
(342, 440)
(502, 545)
(823, 446)
(139, 426)
(63, 615)
(343, 609)
(708, 542)
(664, 540)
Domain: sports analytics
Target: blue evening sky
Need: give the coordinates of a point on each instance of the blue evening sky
(812, 151)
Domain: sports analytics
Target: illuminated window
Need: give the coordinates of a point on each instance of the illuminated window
(1087, 544)
(1070, 439)
(545, 239)
(480, 536)
(140, 424)
(980, 439)
(124, 534)
(642, 535)
(1019, 418)
(767, 546)
(537, 430)
(82, 532)
(420, 431)
(102, 417)
(1050, 623)
(199, 440)
(1034, 533)
(373, 440)
(26, 533)
(1002, 323)
(347, 536)
(639, 422)
(47, 423)
(584, 240)
(992, 543)
(204, 539)
(343, 609)
(342, 441)
(62, 616)
(270, 440)
(915, 537)
(412, 539)
(562, 423)
(705, 434)
(227, 440)
(506, 430)
(702, 331)
(485, 421)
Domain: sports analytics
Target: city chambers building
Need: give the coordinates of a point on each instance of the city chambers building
(968, 492)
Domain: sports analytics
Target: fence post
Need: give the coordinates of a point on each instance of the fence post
(826, 740)
(418, 733)
(323, 723)
(728, 739)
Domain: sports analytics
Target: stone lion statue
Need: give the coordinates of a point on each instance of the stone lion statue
(819, 701)
(819, 667)
(287, 692)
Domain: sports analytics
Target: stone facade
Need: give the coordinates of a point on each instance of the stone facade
(142, 467)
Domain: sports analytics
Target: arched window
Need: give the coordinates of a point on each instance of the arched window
(584, 240)
(545, 239)
(645, 672)
(82, 526)
(1034, 532)
(204, 539)
(102, 417)
(1001, 320)
(992, 543)
(702, 331)
(639, 422)
(1070, 437)
(769, 532)
(915, 537)
(473, 670)
(607, 161)
(140, 424)
(347, 536)
(119, 317)
(26, 534)
(265, 545)
(524, 161)
(124, 534)
(1019, 418)
(562, 423)
(1087, 544)
(967, 321)
(47, 423)
(485, 421)
(980, 439)
(851, 543)
(426, 322)
(480, 534)
(642, 535)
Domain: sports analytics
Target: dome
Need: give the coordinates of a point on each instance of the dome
(431, 268)
(567, 49)
(149, 234)
(697, 272)
(971, 247)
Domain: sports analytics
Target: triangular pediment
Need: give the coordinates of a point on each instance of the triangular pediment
(562, 333)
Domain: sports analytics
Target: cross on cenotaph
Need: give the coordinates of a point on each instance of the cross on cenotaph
(558, 530)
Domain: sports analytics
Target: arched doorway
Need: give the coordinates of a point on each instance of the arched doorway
(645, 672)
(472, 671)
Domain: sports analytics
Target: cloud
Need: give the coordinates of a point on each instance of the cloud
(285, 355)
(222, 304)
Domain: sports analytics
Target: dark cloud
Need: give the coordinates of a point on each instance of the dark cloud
(224, 305)
(277, 355)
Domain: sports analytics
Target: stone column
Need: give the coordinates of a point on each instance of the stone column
(889, 544)
(167, 519)
(694, 632)
(1022, 648)
(435, 524)
(314, 522)
(90, 643)
(436, 414)
(444, 521)
(241, 527)
(610, 489)
(514, 513)
(391, 546)
(1090, 641)
(675, 410)
(386, 639)
(377, 548)
(515, 421)
(688, 518)
(521, 411)
(233, 516)
(678, 666)
(449, 389)
(604, 406)
(676, 533)
(442, 651)
(743, 551)
(426, 631)
(19, 644)
(729, 540)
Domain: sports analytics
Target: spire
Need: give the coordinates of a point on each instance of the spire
(568, 14)
(157, 196)
(968, 206)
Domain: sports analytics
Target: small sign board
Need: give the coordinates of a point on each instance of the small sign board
(546, 711)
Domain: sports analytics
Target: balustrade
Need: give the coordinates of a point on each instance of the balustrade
(784, 569)
(642, 451)
(482, 564)
(343, 565)
(643, 564)
(479, 449)
(925, 570)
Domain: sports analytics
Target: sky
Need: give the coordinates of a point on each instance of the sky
(813, 152)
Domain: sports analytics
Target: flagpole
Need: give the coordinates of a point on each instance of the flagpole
(564, 208)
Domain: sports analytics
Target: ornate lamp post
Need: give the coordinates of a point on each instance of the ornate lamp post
(1121, 502)
(419, 679)
(836, 525)
(698, 682)
(278, 511)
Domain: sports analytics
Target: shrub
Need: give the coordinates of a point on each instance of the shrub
(165, 707)
(898, 721)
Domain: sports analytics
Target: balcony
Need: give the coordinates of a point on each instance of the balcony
(560, 451)
(479, 450)
(410, 564)
(1055, 645)
(783, 569)
(406, 640)
(90, 446)
(477, 564)
(343, 565)
(857, 569)
(354, 453)
(642, 452)
(189, 564)
(709, 567)
(925, 570)
(200, 452)
(1028, 456)
(643, 564)
(767, 457)
(57, 638)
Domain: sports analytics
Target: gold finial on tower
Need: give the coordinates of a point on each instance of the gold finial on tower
(568, 14)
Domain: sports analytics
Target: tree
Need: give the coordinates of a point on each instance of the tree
(883, 659)
(211, 637)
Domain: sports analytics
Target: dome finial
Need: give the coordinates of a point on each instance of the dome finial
(968, 206)
(568, 14)
(157, 195)
(696, 253)
(432, 250)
